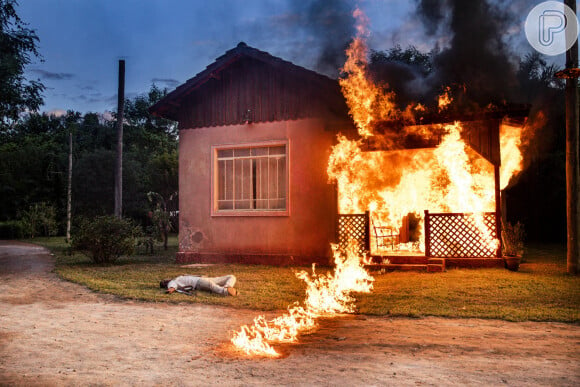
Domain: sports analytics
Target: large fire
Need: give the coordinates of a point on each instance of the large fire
(395, 185)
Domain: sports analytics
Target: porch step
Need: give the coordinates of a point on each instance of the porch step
(436, 265)
(407, 263)
(397, 267)
(400, 259)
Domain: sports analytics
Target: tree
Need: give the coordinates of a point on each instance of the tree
(17, 49)
(32, 164)
(137, 113)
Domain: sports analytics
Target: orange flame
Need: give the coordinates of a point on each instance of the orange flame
(393, 184)
(445, 99)
(511, 155)
(326, 295)
(367, 102)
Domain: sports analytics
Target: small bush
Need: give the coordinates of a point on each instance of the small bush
(39, 219)
(513, 238)
(105, 238)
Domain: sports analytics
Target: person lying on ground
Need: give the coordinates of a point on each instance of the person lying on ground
(220, 285)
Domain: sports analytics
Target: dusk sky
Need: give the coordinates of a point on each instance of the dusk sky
(167, 42)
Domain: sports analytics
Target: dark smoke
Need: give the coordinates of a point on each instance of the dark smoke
(477, 63)
(431, 13)
(403, 71)
(332, 25)
(477, 60)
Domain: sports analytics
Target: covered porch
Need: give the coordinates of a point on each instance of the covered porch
(429, 238)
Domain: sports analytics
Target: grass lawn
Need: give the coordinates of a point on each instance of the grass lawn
(540, 291)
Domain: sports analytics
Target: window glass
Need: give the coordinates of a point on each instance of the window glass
(225, 153)
(277, 150)
(251, 179)
(242, 152)
(260, 151)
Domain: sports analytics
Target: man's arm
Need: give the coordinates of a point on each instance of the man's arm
(172, 286)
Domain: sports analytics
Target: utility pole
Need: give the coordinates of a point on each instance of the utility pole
(69, 190)
(119, 167)
(571, 73)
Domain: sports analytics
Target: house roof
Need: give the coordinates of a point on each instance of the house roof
(169, 106)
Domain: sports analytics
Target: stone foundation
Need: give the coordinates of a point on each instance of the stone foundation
(251, 259)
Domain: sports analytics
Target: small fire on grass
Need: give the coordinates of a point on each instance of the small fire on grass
(326, 295)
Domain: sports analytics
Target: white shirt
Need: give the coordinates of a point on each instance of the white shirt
(183, 281)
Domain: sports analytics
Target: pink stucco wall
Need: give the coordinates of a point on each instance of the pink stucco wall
(302, 236)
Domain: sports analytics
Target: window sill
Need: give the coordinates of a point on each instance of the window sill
(250, 213)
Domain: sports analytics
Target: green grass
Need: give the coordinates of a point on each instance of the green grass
(540, 291)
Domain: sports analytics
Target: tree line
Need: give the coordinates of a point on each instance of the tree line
(34, 164)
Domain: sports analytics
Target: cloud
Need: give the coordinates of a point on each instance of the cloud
(56, 112)
(53, 76)
(169, 82)
(107, 116)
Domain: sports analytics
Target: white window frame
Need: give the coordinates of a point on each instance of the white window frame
(216, 211)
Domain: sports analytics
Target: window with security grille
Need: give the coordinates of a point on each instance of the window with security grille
(252, 179)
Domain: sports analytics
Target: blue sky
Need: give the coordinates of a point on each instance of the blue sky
(167, 42)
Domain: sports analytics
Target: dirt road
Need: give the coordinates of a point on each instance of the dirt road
(57, 333)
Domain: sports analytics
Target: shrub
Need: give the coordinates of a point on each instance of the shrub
(105, 238)
(39, 219)
(513, 238)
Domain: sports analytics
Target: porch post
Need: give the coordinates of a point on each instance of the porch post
(498, 217)
(368, 231)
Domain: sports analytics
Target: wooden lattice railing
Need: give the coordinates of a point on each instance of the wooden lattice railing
(353, 226)
(456, 235)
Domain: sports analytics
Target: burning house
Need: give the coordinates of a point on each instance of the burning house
(271, 160)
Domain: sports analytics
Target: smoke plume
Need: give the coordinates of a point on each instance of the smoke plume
(477, 59)
(332, 25)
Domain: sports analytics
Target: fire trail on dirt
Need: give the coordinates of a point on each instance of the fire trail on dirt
(326, 295)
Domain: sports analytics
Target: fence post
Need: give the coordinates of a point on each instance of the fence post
(498, 209)
(337, 229)
(427, 235)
